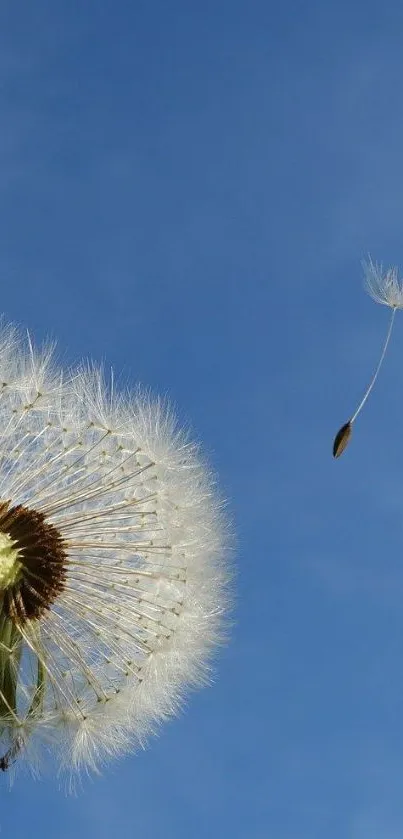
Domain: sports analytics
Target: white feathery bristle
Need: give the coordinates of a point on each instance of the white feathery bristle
(145, 590)
(385, 287)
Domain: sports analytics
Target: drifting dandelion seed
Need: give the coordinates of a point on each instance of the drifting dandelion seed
(113, 572)
(387, 289)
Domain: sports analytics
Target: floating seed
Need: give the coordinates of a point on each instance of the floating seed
(341, 439)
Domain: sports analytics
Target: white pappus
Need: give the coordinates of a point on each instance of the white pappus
(114, 577)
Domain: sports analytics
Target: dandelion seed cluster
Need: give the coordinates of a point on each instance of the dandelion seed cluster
(113, 569)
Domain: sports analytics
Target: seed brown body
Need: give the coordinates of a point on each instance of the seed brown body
(341, 439)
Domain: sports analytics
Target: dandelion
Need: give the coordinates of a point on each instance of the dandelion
(113, 570)
(387, 289)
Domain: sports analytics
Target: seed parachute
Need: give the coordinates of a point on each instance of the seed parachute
(385, 288)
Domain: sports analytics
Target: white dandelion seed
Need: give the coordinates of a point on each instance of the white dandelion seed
(113, 569)
(385, 288)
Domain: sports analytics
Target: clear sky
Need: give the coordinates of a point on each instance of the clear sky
(188, 189)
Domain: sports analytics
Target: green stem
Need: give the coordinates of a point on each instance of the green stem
(10, 656)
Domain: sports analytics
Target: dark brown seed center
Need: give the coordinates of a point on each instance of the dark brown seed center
(42, 555)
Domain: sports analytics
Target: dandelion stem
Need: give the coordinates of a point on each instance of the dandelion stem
(9, 667)
(375, 376)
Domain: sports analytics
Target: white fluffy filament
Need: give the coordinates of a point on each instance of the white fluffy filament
(146, 575)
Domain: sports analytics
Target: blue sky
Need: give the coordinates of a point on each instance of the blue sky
(187, 192)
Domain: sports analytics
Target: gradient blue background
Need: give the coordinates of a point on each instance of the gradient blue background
(187, 190)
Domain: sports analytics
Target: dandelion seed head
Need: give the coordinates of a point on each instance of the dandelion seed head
(385, 287)
(114, 581)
